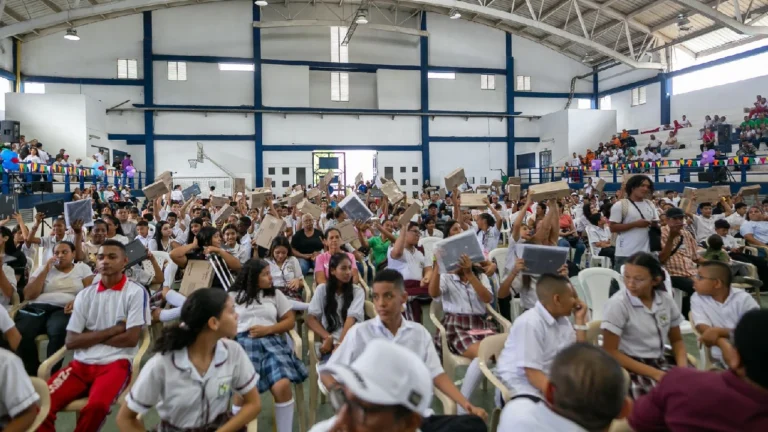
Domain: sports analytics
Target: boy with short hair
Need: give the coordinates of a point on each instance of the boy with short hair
(142, 233)
(722, 228)
(716, 308)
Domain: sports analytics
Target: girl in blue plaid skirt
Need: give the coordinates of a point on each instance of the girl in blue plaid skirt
(264, 320)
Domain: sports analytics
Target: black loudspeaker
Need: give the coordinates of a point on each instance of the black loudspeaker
(40, 186)
(724, 134)
(10, 131)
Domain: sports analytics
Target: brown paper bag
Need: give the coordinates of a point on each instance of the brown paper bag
(197, 274)
(270, 228)
(358, 179)
(552, 190)
(711, 194)
(313, 193)
(347, 230)
(442, 192)
(410, 212)
(455, 179)
(156, 189)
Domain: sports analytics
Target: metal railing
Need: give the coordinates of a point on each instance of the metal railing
(28, 173)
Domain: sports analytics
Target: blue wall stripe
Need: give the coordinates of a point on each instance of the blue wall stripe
(149, 91)
(468, 70)
(595, 91)
(479, 139)
(510, 96)
(321, 147)
(200, 59)
(10, 76)
(666, 99)
(630, 86)
(83, 81)
(196, 107)
(348, 67)
(526, 139)
(258, 128)
(204, 137)
(424, 75)
(126, 137)
(550, 95)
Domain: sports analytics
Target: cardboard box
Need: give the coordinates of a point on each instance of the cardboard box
(219, 201)
(392, 191)
(514, 180)
(473, 200)
(600, 185)
(442, 192)
(270, 228)
(221, 216)
(410, 212)
(197, 274)
(347, 230)
(455, 179)
(295, 198)
(358, 179)
(552, 190)
(166, 177)
(326, 181)
(156, 189)
(267, 182)
(483, 189)
(513, 191)
(259, 197)
(688, 192)
(307, 207)
(313, 193)
(239, 186)
(712, 194)
(355, 208)
(496, 185)
(750, 190)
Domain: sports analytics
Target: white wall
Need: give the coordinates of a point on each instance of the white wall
(285, 86)
(6, 54)
(458, 43)
(478, 160)
(398, 89)
(549, 70)
(343, 130)
(173, 123)
(554, 127)
(728, 99)
(403, 164)
(644, 116)
(218, 87)
(620, 75)
(290, 160)
(362, 91)
(464, 94)
(535, 107)
(236, 156)
(471, 126)
(587, 127)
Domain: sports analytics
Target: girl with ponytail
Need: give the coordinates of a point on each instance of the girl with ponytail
(196, 365)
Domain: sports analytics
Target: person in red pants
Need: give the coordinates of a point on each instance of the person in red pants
(104, 332)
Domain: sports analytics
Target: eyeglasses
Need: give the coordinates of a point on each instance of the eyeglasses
(357, 412)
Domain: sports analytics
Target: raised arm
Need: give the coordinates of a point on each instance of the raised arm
(496, 214)
(399, 246)
(519, 220)
(31, 237)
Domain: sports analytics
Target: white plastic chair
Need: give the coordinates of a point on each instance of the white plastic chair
(596, 282)
(428, 243)
(41, 388)
(594, 259)
(492, 347)
(705, 353)
(499, 256)
(450, 360)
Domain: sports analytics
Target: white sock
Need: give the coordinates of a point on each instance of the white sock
(284, 416)
(471, 379)
(235, 409)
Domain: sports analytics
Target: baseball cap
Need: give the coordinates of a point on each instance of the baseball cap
(386, 374)
(675, 212)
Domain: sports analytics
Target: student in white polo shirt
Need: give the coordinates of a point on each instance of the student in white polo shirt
(18, 399)
(409, 261)
(389, 298)
(539, 334)
(104, 331)
(639, 320)
(716, 308)
(196, 360)
(586, 391)
(9, 334)
(387, 388)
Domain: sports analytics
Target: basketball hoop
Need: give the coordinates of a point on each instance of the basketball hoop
(192, 163)
(200, 153)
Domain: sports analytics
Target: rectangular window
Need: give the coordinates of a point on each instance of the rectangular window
(339, 54)
(34, 88)
(237, 67)
(605, 103)
(177, 71)
(523, 83)
(584, 103)
(127, 68)
(487, 82)
(441, 75)
(638, 96)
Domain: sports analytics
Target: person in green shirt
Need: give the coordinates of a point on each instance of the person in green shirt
(379, 244)
(744, 124)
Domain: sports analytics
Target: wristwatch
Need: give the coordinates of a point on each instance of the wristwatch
(578, 327)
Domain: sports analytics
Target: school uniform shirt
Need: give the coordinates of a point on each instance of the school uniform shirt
(48, 243)
(97, 309)
(411, 264)
(435, 233)
(245, 243)
(489, 239)
(706, 310)
(16, 391)
(154, 247)
(758, 229)
(635, 239)
(129, 229)
(144, 240)
(533, 342)
(460, 297)
(121, 238)
(177, 195)
(238, 252)
(643, 331)
(523, 414)
(268, 313)
(596, 235)
(61, 288)
(730, 242)
(282, 274)
(135, 273)
(705, 227)
(10, 274)
(355, 310)
(6, 322)
(411, 335)
(182, 397)
(735, 220)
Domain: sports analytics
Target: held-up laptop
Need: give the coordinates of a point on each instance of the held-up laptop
(136, 253)
(542, 259)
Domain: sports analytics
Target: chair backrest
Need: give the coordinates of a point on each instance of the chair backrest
(369, 310)
(499, 256)
(41, 388)
(428, 243)
(593, 332)
(597, 282)
(436, 308)
(491, 346)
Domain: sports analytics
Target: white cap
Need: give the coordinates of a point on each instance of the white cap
(386, 374)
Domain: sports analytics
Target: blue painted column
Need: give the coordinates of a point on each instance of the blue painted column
(666, 98)
(424, 64)
(149, 88)
(510, 107)
(595, 90)
(258, 148)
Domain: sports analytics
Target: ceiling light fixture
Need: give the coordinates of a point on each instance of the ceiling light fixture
(361, 18)
(71, 34)
(261, 3)
(454, 14)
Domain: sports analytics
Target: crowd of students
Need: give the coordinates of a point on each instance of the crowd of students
(230, 343)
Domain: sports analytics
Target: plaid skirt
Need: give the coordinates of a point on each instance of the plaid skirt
(457, 329)
(293, 294)
(641, 385)
(273, 359)
(213, 426)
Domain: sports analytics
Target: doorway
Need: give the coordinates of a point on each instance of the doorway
(346, 165)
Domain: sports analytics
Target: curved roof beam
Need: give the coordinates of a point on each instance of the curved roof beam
(731, 22)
